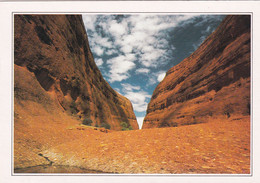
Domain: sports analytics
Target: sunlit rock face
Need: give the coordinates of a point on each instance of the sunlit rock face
(213, 82)
(54, 67)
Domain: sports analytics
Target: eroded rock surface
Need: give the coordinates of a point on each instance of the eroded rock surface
(54, 67)
(57, 85)
(212, 82)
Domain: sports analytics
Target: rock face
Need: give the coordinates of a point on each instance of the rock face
(213, 82)
(54, 67)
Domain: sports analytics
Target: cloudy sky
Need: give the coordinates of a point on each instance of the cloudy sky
(134, 51)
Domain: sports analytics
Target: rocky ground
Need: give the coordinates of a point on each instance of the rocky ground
(221, 146)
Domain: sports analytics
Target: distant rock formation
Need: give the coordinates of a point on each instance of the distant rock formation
(213, 82)
(54, 67)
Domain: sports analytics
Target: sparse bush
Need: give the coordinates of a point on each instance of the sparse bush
(125, 126)
(195, 121)
(73, 108)
(87, 121)
(105, 125)
(174, 124)
(228, 110)
(164, 124)
(124, 129)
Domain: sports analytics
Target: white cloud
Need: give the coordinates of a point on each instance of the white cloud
(111, 52)
(145, 38)
(116, 29)
(99, 62)
(102, 41)
(129, 87)
(119, 67)
(135, 32)
(142, 71)
(161, 76)
(126, 48)
(150, 59)
(138, 99)
(138, 34)
(156, 77)
(89, 21)
(208, 29)
(98, 50)
(137, 96)
(117, 77)
(118, 90)
(140, 41)
(151, 24)
(185, 17)
(147, 48)
(152, 80)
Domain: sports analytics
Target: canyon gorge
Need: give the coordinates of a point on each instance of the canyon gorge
(66, 114)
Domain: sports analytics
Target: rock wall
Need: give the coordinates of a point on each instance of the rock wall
(213, 82)
(54, 67)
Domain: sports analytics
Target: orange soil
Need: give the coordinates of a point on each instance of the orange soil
(220, 146)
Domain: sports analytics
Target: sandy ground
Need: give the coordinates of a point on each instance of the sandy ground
(217, 147)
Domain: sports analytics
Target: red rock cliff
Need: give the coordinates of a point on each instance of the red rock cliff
(54, 67)
(213, 82)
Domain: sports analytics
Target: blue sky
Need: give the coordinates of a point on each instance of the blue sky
(134, 51)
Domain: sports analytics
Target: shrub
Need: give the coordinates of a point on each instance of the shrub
(73, 108)
(174, 124)
(105, 125)
(228, 110)
(124, 129)
(87, 121)
(125, 126)
(165, 124)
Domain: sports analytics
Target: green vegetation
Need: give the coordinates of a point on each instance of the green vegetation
(125, 126)
(87, 121)
(105, 125)
(73, 108)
